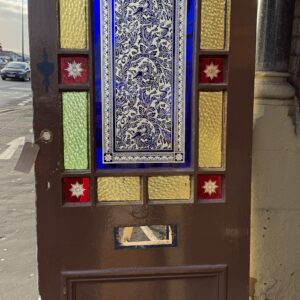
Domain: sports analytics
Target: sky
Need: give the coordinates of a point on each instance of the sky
(11, 25)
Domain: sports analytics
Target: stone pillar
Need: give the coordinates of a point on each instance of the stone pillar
(275, 215)
(274, 31)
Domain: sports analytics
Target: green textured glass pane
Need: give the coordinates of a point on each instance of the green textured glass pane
(75, 130)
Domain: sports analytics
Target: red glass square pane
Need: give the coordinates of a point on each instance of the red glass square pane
(76, 189)
(211, 70)
(73, 69)
(209, 187)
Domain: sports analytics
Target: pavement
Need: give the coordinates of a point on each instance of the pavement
(18, 267)
(14, 93)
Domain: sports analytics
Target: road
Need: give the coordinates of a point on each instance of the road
(18, 268)
(14, 93)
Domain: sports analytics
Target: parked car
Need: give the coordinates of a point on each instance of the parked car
(16, 70)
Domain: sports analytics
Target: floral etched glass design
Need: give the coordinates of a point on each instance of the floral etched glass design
(76, 189)
(211, 70)
(143, 70)
(73, 69)
(210, 187)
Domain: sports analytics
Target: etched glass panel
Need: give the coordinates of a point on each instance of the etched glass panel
(210, 187)
(211, 126)
(169, 188)
(119, 189)
(75, 130)
(73, 69)
(76, 189)
(144, 84)
(73, 20)
(146, 236)
(211, 70)
(215, 23)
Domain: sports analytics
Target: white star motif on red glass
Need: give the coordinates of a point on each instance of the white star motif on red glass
(77, 190)
(210, 187)
(212, 71)
(74, 69)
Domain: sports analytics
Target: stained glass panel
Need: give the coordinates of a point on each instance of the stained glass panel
(144, 96)
(73, 69)
(169, 188)
(76, 189)
(209, 187)
(211, 121)
(228, 24)
(75, 130)
(211, 70)
(119, 189)
(73, 20)
(215, 16)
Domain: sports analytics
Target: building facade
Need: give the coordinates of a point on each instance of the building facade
(275, 230)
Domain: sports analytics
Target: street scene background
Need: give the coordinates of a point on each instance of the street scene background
(18, 267)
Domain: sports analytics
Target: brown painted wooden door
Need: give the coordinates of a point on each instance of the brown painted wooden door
(143, 114)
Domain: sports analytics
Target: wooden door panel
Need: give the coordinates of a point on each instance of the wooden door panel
(172, 283)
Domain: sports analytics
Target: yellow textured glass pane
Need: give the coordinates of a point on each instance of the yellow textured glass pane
(119, 189)
(228, 23)
(169, 188)
(213, 16)
(75, 130)
(73, 24)
(210, 129)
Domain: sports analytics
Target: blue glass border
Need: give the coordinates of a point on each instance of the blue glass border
(189, 96)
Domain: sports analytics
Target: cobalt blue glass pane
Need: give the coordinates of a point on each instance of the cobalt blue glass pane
(143, 82)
